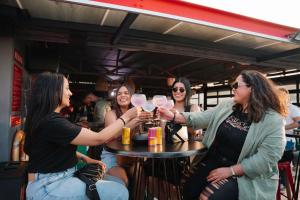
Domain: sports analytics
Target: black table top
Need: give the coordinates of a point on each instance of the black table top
(293, 135)
(158, 151)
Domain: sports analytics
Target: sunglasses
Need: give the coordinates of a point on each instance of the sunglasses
(181, 90)
(236, 85)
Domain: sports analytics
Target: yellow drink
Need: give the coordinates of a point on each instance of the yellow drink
(158, 135)
(126, 136)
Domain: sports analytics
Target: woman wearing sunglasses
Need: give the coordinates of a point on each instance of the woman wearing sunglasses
(245, 138)
(181, 94)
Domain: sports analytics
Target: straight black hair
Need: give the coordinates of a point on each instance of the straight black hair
(46, 96)
(188, 89)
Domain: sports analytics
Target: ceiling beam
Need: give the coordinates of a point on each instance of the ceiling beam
(152, 42)
(283, 54)
(123, 28)
(170, 69)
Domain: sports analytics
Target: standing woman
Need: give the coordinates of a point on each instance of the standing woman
(120, 106)
(245, 138)
(51, 142)
(181, 94)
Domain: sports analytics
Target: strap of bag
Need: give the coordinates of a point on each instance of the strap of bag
(91, 189)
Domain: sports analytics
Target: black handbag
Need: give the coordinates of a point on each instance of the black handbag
(171, 130)
(90, 174)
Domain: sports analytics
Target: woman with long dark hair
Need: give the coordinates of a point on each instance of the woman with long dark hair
(245, 138)
(181, 95)
(51, 142)
(121, 105)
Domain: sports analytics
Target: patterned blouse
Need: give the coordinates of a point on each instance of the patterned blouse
(231, 136)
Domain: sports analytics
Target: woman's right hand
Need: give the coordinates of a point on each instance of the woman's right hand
(130, 114)
(166, 114)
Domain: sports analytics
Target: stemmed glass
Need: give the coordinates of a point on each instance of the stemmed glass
(159, 101)
(169, 104)
(138, 100)
(148, 106)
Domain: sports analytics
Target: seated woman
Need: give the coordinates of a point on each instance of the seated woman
(51, 145)
(121, 105)
(245, 137)
(181, 94)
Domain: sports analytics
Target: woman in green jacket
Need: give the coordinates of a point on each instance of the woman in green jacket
(245, 137)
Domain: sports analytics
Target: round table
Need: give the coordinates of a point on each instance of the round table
(162, 159)
(175, 150)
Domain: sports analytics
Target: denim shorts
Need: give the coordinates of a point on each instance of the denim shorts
(63, 185)
(109, 159)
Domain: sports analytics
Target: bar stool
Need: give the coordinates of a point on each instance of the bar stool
(285, 167)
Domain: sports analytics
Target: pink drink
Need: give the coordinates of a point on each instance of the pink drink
(169, 105)
(152, 136)
(159, 100)
(138, 100)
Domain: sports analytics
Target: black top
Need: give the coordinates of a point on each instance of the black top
(231, 136)
(51, 150)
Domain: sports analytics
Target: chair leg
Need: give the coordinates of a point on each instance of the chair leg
(290, 180)
(278, 195)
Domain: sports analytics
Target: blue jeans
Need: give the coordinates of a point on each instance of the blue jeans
(63, 185)
(109, 159)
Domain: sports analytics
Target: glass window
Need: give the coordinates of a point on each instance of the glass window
(293, 97)
(213, 101)
(290, 86)
(226, 92)
(211, 94)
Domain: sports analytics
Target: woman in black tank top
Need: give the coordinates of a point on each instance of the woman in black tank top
(181, 94)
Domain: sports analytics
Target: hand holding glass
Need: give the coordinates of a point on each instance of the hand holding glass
(169, 104)
(148, 106)
(138, 100)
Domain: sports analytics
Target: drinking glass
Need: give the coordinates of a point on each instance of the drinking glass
(148, 106)
(138, 100)
(169, 105)
(159, 101)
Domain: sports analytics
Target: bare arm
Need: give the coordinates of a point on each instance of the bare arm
(168, 115)
(294, 124)
(90, 138)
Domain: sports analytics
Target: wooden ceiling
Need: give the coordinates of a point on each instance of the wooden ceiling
(87, 43)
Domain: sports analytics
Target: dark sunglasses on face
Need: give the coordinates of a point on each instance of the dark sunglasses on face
(181, 90)
(236, 85)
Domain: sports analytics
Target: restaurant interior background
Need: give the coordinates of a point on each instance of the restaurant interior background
(100, 46)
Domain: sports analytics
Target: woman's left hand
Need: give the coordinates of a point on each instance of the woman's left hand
(219, 174)
(145, 116)
(89, 160)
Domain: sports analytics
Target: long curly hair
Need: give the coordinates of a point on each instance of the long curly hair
(264, 95)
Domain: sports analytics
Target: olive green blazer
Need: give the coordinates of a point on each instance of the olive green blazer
(263, 148)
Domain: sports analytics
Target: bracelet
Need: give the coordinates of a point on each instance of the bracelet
(122, 120)
(173, 120)
(232, 171)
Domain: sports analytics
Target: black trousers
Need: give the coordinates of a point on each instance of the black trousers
(197, 183)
